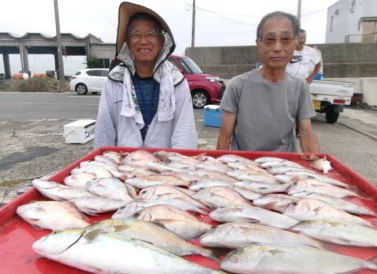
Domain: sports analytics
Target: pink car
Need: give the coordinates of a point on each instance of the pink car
(205, 88)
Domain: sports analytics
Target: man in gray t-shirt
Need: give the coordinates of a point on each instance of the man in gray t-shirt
(261, 107)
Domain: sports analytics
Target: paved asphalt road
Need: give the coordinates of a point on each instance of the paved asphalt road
(32, 143)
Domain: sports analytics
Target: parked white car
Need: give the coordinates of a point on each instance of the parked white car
(89, 80)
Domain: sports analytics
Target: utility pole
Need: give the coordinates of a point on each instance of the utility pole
(61, 83)
(299, 11)
(193, 25)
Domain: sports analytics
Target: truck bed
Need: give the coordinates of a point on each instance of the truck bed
(332, 88)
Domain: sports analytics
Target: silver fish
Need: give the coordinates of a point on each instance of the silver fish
(252, 214)
(338, 232)
(241, 234)
(152, 233)
(259, 258)
(106, 252)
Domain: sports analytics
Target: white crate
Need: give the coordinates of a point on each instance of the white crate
(79, 132)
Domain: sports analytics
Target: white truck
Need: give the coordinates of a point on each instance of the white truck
(330, 97)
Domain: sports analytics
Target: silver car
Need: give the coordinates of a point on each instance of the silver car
(89, 80)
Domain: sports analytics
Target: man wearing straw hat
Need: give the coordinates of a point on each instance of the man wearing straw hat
(146, 101)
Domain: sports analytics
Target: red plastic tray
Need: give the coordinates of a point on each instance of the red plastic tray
(17, 236)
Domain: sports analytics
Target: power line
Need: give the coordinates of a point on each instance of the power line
(104, 14)
(240, 22)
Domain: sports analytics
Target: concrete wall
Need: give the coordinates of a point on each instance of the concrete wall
(346, 62)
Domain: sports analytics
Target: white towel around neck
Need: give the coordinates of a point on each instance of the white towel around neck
(166, 103)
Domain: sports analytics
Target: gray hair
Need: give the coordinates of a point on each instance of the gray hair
(291, 17)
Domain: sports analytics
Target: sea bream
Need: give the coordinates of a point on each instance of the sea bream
(167, 192)
(316, 186)
(154, 180)
(79, 180)
(59, 192)
(110, 188)
(178, 221)
(130, 209)
(300, 259)
(107, 252)
(276, 202)
(337, 202)
(322, 164)
(94, 205)
(52, 215)
(216, 197)
(232, 158)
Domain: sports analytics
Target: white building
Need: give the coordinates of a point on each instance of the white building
(352, 21)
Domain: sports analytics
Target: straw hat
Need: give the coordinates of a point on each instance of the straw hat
(126, 11)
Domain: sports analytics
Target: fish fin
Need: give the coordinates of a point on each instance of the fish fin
(81, 235)
(118, 228)
(91, 234)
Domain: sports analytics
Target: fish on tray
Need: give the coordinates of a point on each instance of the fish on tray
(263, 258)
(52, 215)
(108, 252)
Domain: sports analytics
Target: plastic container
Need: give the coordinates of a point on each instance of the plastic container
(212, 115)
(79, 132)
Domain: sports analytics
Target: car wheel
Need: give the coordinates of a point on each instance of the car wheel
(331, 115)
(81, 89)
(199, 98)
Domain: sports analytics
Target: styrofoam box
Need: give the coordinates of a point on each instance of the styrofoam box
(79, 132)
(212, 115)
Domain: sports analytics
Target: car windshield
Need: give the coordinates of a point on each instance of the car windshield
(190, 66)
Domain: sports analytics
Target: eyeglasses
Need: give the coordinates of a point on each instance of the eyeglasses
(271, 41)
(149, 36)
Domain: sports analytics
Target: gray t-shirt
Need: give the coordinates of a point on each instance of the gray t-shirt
(266, 111)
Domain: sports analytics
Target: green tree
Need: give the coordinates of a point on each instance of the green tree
(94, 63)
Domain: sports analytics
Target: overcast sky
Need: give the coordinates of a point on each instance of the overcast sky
(218, 22)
